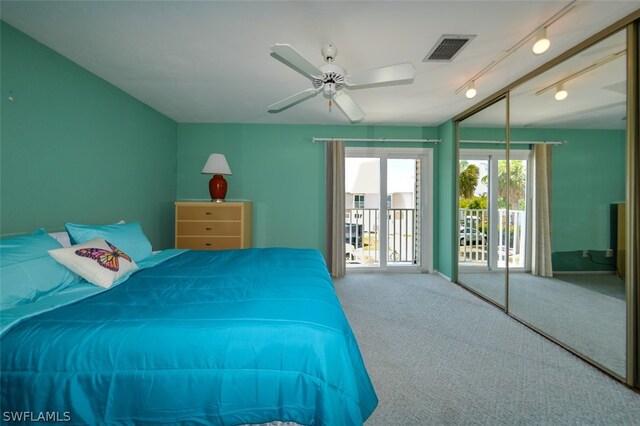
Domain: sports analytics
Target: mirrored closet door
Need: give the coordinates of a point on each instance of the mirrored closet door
(483, 251)
(568, 151)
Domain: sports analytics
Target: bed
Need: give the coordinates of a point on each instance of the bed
(219, 337)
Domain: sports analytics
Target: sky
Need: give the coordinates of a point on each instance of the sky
(362, 175)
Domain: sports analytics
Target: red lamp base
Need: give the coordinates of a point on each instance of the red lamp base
(218, 188)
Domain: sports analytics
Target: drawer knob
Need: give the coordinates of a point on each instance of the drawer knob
(208, 244)
(208, 228)
(208, 213)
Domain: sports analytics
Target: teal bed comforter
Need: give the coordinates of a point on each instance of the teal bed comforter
(225, 337)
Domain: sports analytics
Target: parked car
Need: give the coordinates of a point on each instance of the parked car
(471, 236)
(353, 234)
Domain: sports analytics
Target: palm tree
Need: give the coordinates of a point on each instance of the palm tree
(517, 184)
(469, 180)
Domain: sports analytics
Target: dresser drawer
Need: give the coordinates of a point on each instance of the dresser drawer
(209, 228)
(202, 225)
(208, 212)
(209, 243)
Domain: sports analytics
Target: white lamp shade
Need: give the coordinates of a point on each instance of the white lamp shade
(216, 165)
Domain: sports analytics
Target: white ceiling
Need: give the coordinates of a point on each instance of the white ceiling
(209, 61)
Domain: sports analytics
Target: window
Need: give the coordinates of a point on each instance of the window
(388, 201)
(358, 201)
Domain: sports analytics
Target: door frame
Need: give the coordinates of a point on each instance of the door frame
(425, 209)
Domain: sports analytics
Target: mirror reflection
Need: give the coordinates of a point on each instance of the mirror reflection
(483, 251)
(568, 151)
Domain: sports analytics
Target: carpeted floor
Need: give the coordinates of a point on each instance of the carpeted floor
(585, 311)
(608, 284)
(438, 355)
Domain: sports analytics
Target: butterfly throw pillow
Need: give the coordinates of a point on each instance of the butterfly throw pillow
(97, 261)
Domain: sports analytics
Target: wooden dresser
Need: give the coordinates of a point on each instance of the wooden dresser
(205, 225)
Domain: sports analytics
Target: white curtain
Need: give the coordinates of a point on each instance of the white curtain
(541, 259)
(334, 161)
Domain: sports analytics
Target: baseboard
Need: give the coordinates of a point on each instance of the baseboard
(390, 270)
(584, 272)
(435, 271)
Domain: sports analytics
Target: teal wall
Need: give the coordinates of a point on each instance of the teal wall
(278, 168)
(445, 216)
(75, 148)
(588, 175)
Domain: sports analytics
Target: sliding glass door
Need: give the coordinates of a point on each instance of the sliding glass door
(386, 221)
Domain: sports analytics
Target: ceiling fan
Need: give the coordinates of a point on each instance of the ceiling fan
(330, 78)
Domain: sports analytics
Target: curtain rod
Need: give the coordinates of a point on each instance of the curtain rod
(314, 139)
(515, 142)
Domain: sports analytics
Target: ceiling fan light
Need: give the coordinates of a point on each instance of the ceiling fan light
(542, 42)
(471, 90)
(561, 93)
(329, 90)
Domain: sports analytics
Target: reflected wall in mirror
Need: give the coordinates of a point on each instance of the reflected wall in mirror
(570, 282)
(482, 208)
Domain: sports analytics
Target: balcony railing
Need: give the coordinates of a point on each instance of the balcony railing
(362, 236)
(475, 235)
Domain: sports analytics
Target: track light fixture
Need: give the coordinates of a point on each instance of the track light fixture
(561, 93)
(471, 90)
(540, 46)
(542, 42)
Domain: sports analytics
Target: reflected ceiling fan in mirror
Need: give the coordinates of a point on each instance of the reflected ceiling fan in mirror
(331, 78)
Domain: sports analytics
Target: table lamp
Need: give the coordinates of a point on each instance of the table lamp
(217, 166)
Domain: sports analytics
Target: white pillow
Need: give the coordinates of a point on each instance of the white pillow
(97, 261)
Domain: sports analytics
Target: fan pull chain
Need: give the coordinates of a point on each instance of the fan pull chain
(329, 105)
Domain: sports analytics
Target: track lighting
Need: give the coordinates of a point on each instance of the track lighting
(561, 93)
(542, 42)
(540, 46)
(471, 90)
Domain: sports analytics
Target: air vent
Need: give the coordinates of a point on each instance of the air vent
(447, 48)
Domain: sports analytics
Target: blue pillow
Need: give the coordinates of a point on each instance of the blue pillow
(27, 271)
(128, 237)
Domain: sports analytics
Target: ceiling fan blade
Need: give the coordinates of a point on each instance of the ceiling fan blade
(389, 74)
(348, 107)
(292, 100)
(295, 59)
